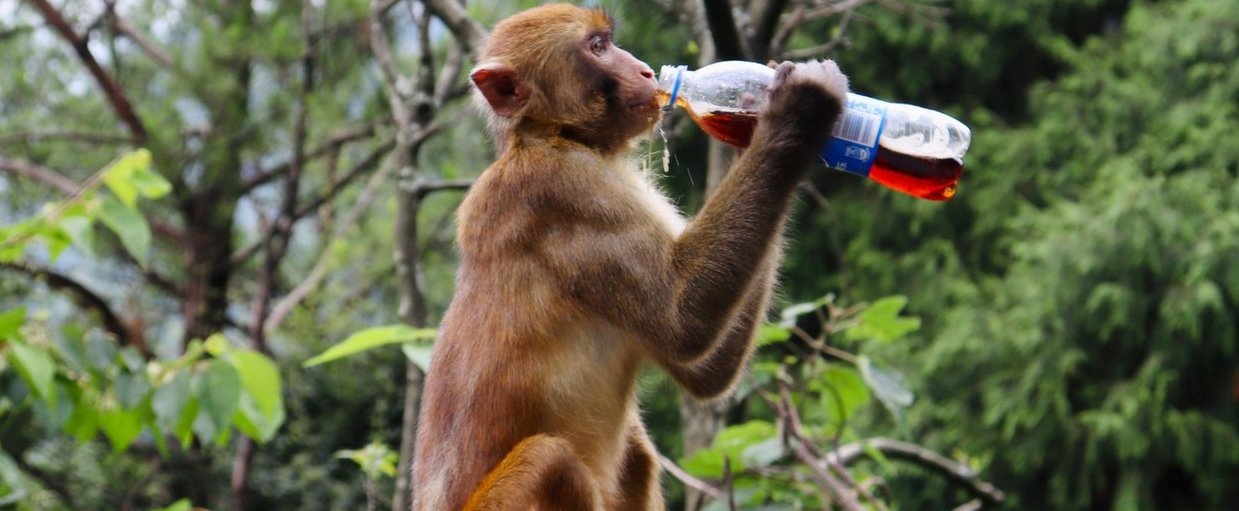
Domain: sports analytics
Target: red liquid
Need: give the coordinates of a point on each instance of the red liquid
(926, 178)
(735, 128)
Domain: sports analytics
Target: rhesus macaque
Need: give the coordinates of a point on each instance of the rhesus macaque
(575, 271)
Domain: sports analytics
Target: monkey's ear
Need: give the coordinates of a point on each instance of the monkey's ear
(499, 84)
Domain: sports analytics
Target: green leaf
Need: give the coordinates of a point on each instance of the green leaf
(764, 453)
(169, 402)
(218, 390)
(11, 323)
(261, 407)
(129, 225)
(732, 442)
(180, 505)
(81, 230)
(418, 355)
(890, 387)
(843, 391)
(84, 421)
(131, 175)
(120, 426)
(375, 459)
(371, 338)
(36, 368)
(131, 389)
(260, 378)
(769, 333)
(217, 345)
(881, 321)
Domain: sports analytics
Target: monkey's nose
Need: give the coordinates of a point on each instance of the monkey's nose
(647, 73)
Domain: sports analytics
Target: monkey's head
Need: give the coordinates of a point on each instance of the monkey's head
(555, 70)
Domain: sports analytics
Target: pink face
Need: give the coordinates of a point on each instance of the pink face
(634, 79)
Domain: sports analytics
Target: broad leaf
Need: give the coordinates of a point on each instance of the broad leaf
(169, 402)
(882, 322)
(769, 333)
(36, 368)
(843, 391)
(11, 322)
(260, 378)
(180, 505)
(218, 390)
(418, 355)
(371, 338)
(120, 426)
(129, 225)
(888, 386)
(732, 443)
(130, 176)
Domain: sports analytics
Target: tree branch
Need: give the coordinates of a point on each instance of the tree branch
(332, 143)
(40, 174)
(727, 42)
(765, 23)
(365, 164)
(954, 471)
(26, 137)
(116, 96)
(159, 54)
(86, 299)
(467, 30)
(688, 479)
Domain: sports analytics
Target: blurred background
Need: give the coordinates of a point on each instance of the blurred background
(198, 196)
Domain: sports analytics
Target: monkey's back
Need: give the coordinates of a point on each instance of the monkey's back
(484, 394)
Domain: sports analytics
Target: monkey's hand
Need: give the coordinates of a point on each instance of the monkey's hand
(806, 100)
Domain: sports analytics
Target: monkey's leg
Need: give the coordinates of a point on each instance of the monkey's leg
(639, 489)
(541, 472)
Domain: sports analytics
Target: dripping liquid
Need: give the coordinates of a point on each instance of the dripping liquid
(926, 178)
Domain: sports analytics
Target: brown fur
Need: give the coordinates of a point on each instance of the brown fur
(575, 270)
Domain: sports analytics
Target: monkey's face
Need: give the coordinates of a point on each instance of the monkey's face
(556, 67)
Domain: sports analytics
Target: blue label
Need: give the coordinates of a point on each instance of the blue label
(854, 142)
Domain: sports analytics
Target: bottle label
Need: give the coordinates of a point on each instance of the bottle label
(854, 142)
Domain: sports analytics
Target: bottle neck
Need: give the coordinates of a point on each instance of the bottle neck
(671, 80)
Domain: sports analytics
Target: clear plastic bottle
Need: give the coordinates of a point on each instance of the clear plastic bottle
(906, 148)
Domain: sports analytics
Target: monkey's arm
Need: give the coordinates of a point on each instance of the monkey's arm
(715, 375)
(680, 294)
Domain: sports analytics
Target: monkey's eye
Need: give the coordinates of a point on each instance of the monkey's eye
(597, 44)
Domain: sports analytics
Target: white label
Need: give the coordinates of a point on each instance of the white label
(858, 127)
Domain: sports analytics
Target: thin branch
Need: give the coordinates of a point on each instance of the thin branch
(361, 167)
(806, 452)
(688, 479)
(87, 299)
(116, 96)
(27, 137)
(158, 54)
(467, 30)
(839, 39)
(332, 143)
(40, 174)
(954, 471)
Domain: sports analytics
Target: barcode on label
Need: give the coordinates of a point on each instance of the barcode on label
(858, 127)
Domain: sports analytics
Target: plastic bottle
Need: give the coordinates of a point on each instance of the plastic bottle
(906, 148)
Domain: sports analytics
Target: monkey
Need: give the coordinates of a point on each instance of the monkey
(576, 271)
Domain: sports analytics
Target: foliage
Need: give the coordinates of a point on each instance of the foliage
(86, 386)
(827, 387)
